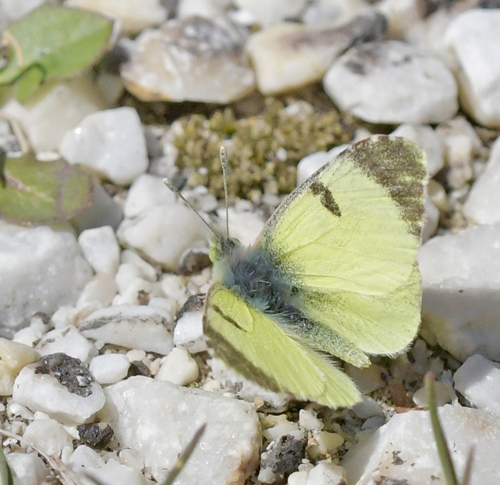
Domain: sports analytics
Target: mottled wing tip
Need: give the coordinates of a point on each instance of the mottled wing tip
(399, 165)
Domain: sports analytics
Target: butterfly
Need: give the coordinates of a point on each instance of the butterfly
(332, 277)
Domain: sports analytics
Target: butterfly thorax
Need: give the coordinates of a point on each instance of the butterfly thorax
(251, 274)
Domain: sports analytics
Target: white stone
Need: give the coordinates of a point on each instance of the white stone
(100, 248)
(111, 143)
(147, 191)
(190, 59)
(367, 408)
(405, 449)
(163, 233)
(27, 468)
(442, 392)
(127, 273)
(135, 15)
(98, 292)
(379, 82)
(55, 275)
(31, 335)
(104, 211)
(333, 12)
(69, 341)
(133, 327)
(90, 468)
(188, 332)
(431, 219)
(325, 473)
(44, 393)
(178, 367)
(54, 109)
(298, 478)
(429, 140)
(461, 291)
(160, 431)
(478, 380)
(269, 13)
(148, 272)
(473, 38)
(483, 204)
(290, 55)
(13, 357)
(283, 428)
(309, 421)
(137, 293)
(48, 435)
(367, 379)
(109, 368)
(327, 441)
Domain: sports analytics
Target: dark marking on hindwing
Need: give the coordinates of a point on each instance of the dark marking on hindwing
(226, 317)
(326, 197)
(238, 361)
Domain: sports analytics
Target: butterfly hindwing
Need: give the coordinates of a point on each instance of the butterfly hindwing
(251, 343)
(348, 239)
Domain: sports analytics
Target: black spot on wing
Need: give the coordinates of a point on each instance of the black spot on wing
(326, 197)
(238, 361)
(226, 317)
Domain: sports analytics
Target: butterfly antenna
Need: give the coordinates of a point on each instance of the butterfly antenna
(223, 162)
(177, 192)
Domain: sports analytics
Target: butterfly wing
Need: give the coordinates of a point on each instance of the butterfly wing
(348, 239)
(251, 343)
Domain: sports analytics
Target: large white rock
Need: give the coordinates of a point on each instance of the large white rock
(404, 450)
(54, 109)
(380, 81)
(291, 55)
(190, 59)
(483, 203)
(158, 431)
(40, 270)
(162, 233)
(478, 380)
(135, 15)
(135, 327)
(111, 143)
(461, 291)
(473, 39)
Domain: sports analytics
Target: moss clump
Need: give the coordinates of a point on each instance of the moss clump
(263, 150)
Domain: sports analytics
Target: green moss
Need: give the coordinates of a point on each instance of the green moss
(263, 150)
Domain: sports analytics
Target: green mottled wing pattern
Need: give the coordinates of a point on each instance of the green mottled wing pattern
(348, 239)
(259, 349)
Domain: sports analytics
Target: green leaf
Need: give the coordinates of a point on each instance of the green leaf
(43, 192)
(5, 472)
(52, 42)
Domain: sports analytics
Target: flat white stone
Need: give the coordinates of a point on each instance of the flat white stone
(54, 109)
(163, 233)
(290, 55)
(111, 143)
(379, 82)
(269, 13)
(483, 204)
(147, 191)
(68, 340)
(461, 291)
(134, 327)
(404, 450)
(13, 357)
(27, 468)
(227, 452)
(100, 248)
(48, 435)
(109, 368)
(429, 140)
(190, 59)
(40, 392)
(179, 368)
(472, 38)
(55, 275)
(478, 380)
(135, 15)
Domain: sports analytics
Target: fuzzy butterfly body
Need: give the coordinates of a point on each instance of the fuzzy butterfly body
(332, 277)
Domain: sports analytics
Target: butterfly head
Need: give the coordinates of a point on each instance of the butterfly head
(222, 247)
